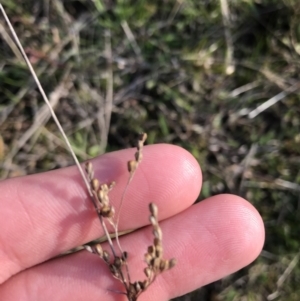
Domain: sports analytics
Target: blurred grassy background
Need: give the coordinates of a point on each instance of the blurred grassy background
(188, 72)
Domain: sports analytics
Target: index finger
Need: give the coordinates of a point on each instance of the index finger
(46, 214)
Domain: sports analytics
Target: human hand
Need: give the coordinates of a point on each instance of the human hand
(46, 214)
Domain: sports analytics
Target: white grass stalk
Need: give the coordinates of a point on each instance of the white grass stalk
(18, 43)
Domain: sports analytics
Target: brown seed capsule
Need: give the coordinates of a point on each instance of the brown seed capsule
(89, 168)
(164, 264)
(172, 263)
(148, 272)
(159, 252)
(156, 263)
(141, 283)
(152, 220)
(106, 256)
(105, 200)
(153, 209)
(131, 165)
(151, 250)
(157, 242)
(114, 270)
(99, 250)
(143, 137)
(131, 289)
(100, 195)
(145, 284)
(89, 248)
(137, 286)
(157, 233)
(138, 156)
(125, 256)
(148, 258)
(107, 211)
(104, 188)
(118, 262)
(111, 185)
(95, 184)
(96, 249)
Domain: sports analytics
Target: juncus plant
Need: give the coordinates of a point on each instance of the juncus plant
(117, 259)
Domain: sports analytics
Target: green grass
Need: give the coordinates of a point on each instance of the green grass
(171, 81)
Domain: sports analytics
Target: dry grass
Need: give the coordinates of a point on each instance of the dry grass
(118, 265)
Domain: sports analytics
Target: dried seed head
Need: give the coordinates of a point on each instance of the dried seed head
(118, 265)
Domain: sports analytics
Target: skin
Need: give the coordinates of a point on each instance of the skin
(44, 215)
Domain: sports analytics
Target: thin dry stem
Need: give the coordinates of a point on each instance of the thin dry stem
(17, 41)
(230, 66)
(130, 36)
(132, 165)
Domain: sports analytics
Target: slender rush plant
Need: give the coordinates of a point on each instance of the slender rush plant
(117, 261)
(118, 265)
